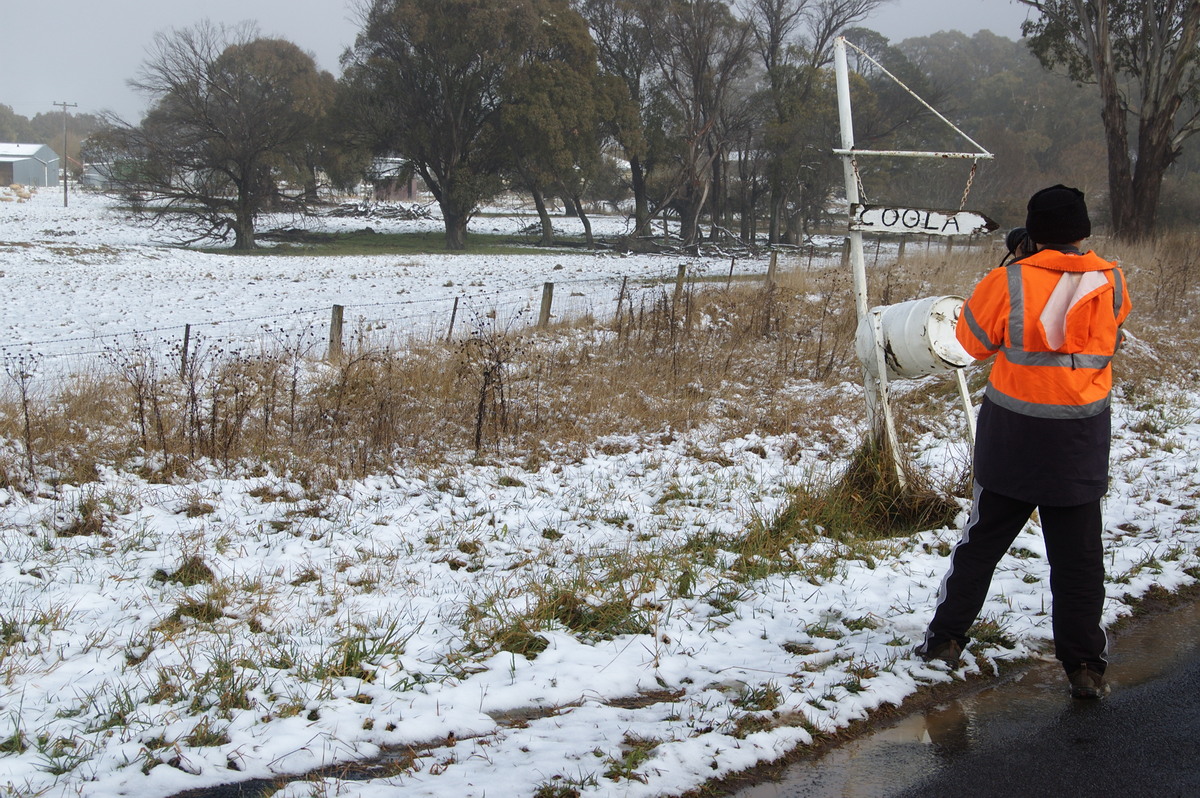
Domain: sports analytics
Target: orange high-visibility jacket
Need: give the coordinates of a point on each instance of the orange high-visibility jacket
(1053, 321)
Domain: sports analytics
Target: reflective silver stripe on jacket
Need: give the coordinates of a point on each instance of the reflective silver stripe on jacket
(1020, 357)
(979, 333)
(1016, 306)
(1044, 410)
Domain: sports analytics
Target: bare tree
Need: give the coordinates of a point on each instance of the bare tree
(229, 131)
(623, 31)
(702, 54)
(794, 41)
(1144, 57)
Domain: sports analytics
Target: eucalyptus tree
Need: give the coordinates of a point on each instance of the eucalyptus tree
(701, 55)
(1144, 56)
(13, 126)
(559, 110)
(473, 93)
(428, 78)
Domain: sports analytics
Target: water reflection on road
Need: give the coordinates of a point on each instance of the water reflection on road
(890, 760)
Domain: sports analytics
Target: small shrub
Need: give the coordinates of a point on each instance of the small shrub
(88, 517)
(759, 699)
(989, 632)
(192, 571)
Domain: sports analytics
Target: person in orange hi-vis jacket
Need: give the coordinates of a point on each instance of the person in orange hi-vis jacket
(1052, 318)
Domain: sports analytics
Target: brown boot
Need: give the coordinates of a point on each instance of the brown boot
(1087, 683)
(949, 652)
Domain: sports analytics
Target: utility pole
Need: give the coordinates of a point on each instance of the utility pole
(64, 107)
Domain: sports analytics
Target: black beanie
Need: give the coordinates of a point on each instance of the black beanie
(1058, 215)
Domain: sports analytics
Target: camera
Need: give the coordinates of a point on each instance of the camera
(1019, 244)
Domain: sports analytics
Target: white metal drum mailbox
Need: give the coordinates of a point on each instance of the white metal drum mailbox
(917, 338)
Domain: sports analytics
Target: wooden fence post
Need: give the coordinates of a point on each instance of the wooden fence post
(620, 301)
(846, 252)
(547, 299)
(732, 261)
(679, 278)
(453, 316)
(335, 332)
(771, 267)
(183, 357)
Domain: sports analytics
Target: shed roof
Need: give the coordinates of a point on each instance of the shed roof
(21, 150)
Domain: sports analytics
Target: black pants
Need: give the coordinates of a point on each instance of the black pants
(1076, 554)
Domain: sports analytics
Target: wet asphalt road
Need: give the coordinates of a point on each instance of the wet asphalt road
(1023, 735)
(1139, 741)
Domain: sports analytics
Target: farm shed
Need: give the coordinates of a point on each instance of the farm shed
(28, 165)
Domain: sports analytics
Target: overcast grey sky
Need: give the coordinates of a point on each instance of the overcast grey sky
(84, 51)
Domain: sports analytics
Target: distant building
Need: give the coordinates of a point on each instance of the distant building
(98, 176)
(394, 179)
(28, 165)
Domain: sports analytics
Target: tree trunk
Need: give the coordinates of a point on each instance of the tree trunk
(747, 197)
(717, 197)
(794, 227)
(587, 224)
(311, 186)
(243, 227)
(688, 231)
(1116, 136)
(539, 202)
(746, 202)
(456, 228)
(641, 203)
(776, 200)
(1155, 154)
(691, 218)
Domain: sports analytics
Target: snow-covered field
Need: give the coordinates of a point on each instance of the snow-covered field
(329, 629)
(86, 280)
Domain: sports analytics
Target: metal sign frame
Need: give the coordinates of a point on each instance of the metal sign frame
(879, 413)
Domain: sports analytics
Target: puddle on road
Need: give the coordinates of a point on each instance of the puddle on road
(898, 755)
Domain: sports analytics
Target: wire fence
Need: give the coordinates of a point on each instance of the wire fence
(363, 325)
(396, 323)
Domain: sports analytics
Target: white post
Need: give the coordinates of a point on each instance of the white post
(889, 423)
(964, 393)
(846, 120)
(858, 264)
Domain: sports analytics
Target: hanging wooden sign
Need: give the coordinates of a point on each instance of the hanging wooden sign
(925, 221)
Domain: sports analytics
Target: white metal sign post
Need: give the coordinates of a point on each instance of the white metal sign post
(877, 219)
(858, 263)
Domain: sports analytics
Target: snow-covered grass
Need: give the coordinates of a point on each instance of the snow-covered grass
(582, 625)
